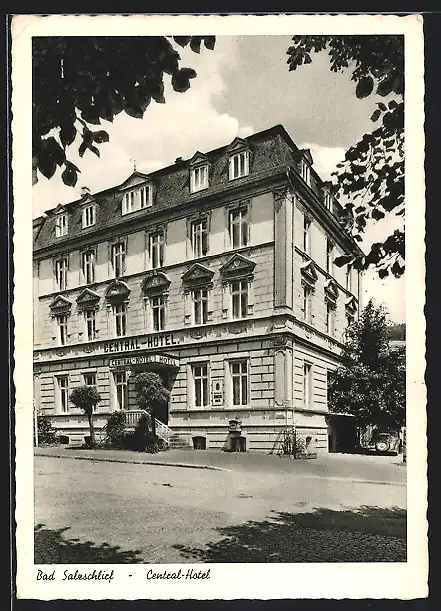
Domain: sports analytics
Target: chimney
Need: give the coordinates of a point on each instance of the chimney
(85, 191)
(178, 159)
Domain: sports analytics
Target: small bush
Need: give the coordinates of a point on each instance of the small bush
(142, 439)
(115, 431)
(45, 432)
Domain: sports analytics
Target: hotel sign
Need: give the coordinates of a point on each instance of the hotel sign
(129, 345)
(145, 359)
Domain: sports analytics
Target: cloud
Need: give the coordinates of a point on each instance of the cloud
(325, 158)
(185, 123)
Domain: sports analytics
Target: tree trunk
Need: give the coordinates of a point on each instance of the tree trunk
(92, 431)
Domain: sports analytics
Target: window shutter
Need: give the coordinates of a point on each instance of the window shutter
(225, 300)
(188, 307)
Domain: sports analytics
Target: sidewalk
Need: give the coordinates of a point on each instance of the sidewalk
(345, 467)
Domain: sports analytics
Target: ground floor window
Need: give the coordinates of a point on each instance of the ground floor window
(200, 380)
(62, 394)
(121, 388)
(307, 384)
(239, 377)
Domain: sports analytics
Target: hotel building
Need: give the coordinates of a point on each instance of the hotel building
(217, 273)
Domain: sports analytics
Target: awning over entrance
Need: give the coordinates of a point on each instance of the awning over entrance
(165, 360)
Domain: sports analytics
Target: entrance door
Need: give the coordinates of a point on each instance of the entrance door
(161, 411)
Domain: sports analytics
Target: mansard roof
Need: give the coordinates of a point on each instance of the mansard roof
(60, 304)
(198, 273)
(273, 152)
(237, 265)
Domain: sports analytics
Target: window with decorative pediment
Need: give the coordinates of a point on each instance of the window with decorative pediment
(155, 288)
(60, 310)
(330, 317)
(197, 294)
(309, 278)
(237, 278)
(350, 310)
(238, 159)
(199, 172)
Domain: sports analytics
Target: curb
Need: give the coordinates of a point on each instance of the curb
(134, 462)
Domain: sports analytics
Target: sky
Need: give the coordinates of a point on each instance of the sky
(242, 87)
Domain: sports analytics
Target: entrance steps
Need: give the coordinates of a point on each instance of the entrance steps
(179, 442)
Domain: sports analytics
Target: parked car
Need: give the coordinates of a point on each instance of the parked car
(385, 442)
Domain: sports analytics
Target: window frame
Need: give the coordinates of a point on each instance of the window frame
(199, 239)
(199, 185)
(242, 294)
(330, 257)
(92, 265)
(124, 404)
(307, 385)
(137, 199)
(88, 208)
(305, 172)
(61, 225)
(330, 318)
(307, 224)
(155, 247)
(240, 375)
(348, 280)
(243, 224)
(308, 292)
(204, 384)
(62, 392)
(62, 329)
(121, 256)
(158, 312)
(62, 286)
(90, 313)
(200, 295)
(120, 318)
(242, 166)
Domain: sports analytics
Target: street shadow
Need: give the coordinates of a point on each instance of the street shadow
(53, 547)
(369, 534)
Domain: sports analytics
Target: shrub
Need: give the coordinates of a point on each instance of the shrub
(143, 439)
(115, 432)
(45, 432)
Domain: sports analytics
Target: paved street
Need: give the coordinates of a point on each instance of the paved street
(101, 512)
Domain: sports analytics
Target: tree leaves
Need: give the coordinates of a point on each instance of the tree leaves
(364, 87)
(79, 81)
(371, 382)
(371, 177)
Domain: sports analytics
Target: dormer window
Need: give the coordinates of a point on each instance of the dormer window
(198, 178)
(89, 215)
(305, 171)
(137, 199)
(239, 165)
(328, 200)
(61, 225)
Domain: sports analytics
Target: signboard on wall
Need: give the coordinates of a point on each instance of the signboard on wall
(151, 341)
(217, 392)
(160, 359)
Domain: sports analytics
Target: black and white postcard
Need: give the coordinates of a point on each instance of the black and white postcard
(219, 326)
